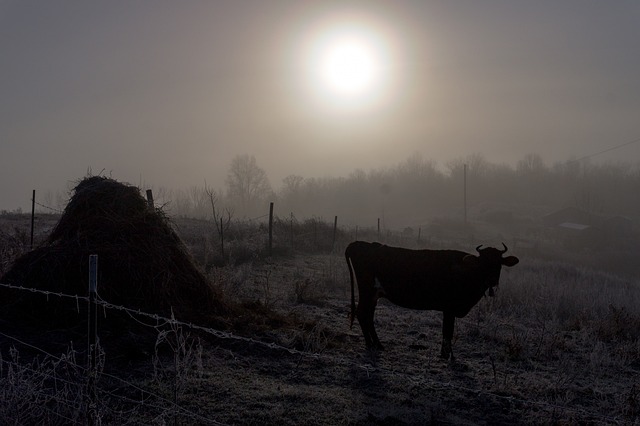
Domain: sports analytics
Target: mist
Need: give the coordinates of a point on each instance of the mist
(419, 189)
(166, 96)
(419, 195)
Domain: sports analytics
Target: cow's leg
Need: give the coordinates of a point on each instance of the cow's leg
(448, 322)
(365, 312)
(362, 313)
(374, 335)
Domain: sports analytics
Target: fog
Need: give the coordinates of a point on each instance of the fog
(417, 192)
(166, 95)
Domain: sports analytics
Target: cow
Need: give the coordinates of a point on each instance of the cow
(450, 281)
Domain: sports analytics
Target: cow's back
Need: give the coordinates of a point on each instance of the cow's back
(417, 279)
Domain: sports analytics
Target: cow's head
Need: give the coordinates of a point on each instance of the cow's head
(488, 264)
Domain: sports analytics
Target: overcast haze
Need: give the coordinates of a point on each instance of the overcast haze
(166, 93)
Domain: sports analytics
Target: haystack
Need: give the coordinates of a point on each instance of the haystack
(142, 263)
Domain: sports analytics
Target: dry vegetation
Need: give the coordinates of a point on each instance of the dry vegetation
(559, 344)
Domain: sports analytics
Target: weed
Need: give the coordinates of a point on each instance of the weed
(516, 344)
(47, 391)
(619, 325)
(631, 407)
(186, 360)
(12, 245)
(263, 279)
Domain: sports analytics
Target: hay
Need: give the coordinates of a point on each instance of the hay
(142, 262)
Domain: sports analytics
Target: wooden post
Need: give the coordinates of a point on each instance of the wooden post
(378, 229)
(150, 198)
(270, 228)
(92, 333)
(222, 242)
(335, 228)
(291, 230)
(465, 194)
(315, 233)
(33, 214)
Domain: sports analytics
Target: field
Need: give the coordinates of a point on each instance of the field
(558, 344)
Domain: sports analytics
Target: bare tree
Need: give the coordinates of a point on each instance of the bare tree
(246, 181)
(531, 164)
(221, 219)
(477, 165)
(291, 192)
(291, 185)
(417, 167)
(198, 198)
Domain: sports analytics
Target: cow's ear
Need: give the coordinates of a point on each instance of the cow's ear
(510, 260)
(471, 260)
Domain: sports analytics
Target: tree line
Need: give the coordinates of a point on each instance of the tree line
(418, 189)
(413, 191)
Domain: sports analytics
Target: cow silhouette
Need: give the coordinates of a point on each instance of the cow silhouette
(450, 281)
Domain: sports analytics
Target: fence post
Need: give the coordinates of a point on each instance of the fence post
(222, 242)
(150, 198)
(33, 214)
(291, 231)
(465, 194)
(92, 333)
(270, 228)
(335, 228)
(315, 233)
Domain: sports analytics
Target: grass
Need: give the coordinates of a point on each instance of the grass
(559, 344)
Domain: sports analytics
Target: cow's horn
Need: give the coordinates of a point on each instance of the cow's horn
(478, 248)
(505, 248)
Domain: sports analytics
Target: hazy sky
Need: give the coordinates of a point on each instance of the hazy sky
(167, 92)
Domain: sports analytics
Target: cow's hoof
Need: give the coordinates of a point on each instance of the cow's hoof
(458, 366)
(418, 347)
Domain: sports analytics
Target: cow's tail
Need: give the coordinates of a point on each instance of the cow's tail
(352, 315)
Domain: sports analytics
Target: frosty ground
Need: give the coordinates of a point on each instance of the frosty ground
(558, 344)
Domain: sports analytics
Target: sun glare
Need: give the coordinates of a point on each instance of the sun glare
(347, 65)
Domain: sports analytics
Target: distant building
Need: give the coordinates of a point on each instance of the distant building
(568, 215)
(577, 228)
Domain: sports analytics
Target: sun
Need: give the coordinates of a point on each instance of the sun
(347, 65)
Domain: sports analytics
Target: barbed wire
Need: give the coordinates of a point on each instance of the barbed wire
(217, 333)
(103, 391)
(47, 207)
(48, 293)
(367, 367)
(158, 318)
(43, 374)
(20, 368)
(84, 370)
(252, 219)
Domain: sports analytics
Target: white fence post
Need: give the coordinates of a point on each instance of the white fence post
(92, 349)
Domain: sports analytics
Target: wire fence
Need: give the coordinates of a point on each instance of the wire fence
(290, 234)
(48, 208)
(149, 400)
